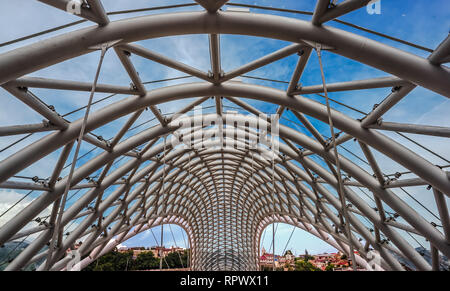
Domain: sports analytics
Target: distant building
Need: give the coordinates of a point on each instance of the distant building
(321, 261)
(155, 250)
(267, 259)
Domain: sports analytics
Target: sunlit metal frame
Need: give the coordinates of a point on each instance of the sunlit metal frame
(202, 184)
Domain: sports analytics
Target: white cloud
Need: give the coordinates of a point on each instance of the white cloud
(32, 16)
(8, 198)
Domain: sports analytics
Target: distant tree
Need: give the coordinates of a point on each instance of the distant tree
(121, 261)
(344, 257)
(112, 261)
(146, 261)
(308, 257)
(173, 260)
(289, 267)
(303, 265)
(329, 267)
(108, 266)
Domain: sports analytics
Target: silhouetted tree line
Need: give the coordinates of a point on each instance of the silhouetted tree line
(123, 261)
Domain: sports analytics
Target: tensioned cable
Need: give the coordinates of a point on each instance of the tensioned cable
(25, 196)
(57, 235)
(156, 241)
(228, 4)
(338, 164)
(84, 20)
(252, 173)
(276, 228)
(14, 205)
(93, 103)
(424, 147)
(284, 82)
(263, 79)
(263, 237)
(335, 20)
(343, 104)
(154, 8)
(399, 133)
(115, 94)
(285, 247)
(68, 199)
(418, 202)
(271, 80)
(173, 237)
(15, 142)
(6, 260)
(273, 201)
(361, 112)
(187, 246)
(43, 217)
(164, 200)
(415, 239)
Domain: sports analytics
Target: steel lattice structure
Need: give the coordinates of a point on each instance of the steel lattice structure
(222, 196)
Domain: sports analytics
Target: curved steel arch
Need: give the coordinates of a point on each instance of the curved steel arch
(404, 65)
(336, 242)
(223, 196)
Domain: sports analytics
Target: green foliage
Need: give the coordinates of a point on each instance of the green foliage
(329, 267)
(116, 261)
(113, 261)
(289, 267)
(146, 261)
(173, 260)
(304, 265)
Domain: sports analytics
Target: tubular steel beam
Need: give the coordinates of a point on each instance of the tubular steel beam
(421, 167)
(145, 53)
(94, 13)
(353, 85)
(300, 67)
(26, 128)
(391, 60)
(134, 75)
(279, 54)
(442, 53)
(129, 67)
(319, 11)
(35, 104)
(435, 258)
(211, 5)
(342, 8)
(297, 140)
(45, 83)
(397, 94)
(413, 128)
(99, 11)
(310, 127)
(443, 213)
(220, 187)
(23, 186)
(373, 163)
(214, 52)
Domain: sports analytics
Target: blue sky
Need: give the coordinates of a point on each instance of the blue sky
(422, 22)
